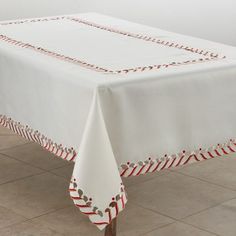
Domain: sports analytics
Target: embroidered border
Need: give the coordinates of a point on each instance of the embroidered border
(180, 159)
(207, 55)
(26, 132)
(53, 54)
(18, 22)
(145, 38)
(100, 218)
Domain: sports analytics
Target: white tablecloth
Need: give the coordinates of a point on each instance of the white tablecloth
(129, 99)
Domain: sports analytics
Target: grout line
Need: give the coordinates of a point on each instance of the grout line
(181, 219)
(17, 223)
(49, 212)
(68, 164)
(43, 170)
(33, 223)
(160, 227)
(154, 211)
(24, 162)
(15, 180)
(63, 177)
(194, 226)
(13, 212)
(20, 160)
(200, 228)
(164, 226)
(193, 213)
(209, 182)
(5, 149)
(208, 208)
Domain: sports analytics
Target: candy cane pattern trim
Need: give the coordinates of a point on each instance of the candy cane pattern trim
(26, 132)
(180, 159)
(125, 33)
(54, 54)
(206, 55)
(35, 20)
(164, 66)
(146, 38)
(101, 218)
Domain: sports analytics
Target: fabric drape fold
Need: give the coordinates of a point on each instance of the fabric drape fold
(96, 162)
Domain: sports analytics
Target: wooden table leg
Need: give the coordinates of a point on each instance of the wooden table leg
(111, 228)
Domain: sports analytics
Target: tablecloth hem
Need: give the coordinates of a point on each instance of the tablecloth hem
(183, 158)
(28, 133)
(100, 217)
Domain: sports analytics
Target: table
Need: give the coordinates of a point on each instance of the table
(117, 98)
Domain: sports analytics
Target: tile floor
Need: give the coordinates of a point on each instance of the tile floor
(196, 200)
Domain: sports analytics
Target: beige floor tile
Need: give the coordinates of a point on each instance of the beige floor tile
(5, 131)
(220, 219)
(179, 229)
(65, 171)
(28, 229)
(11, 169)
(9, 217)
(9, 141)
(135, 221)
(178, 196)
(36, 195)
(205, 162)
(220, 171)
(132, 221)
(129, 181)
(35, 155)
(69, 221)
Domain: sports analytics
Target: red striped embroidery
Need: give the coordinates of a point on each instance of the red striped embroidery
(86, 206)
(129, 169)
(68, 154)
(183, 158)
(84, 203)
(54, 54)
(145, 38)
(207, 56)
(18, 22)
